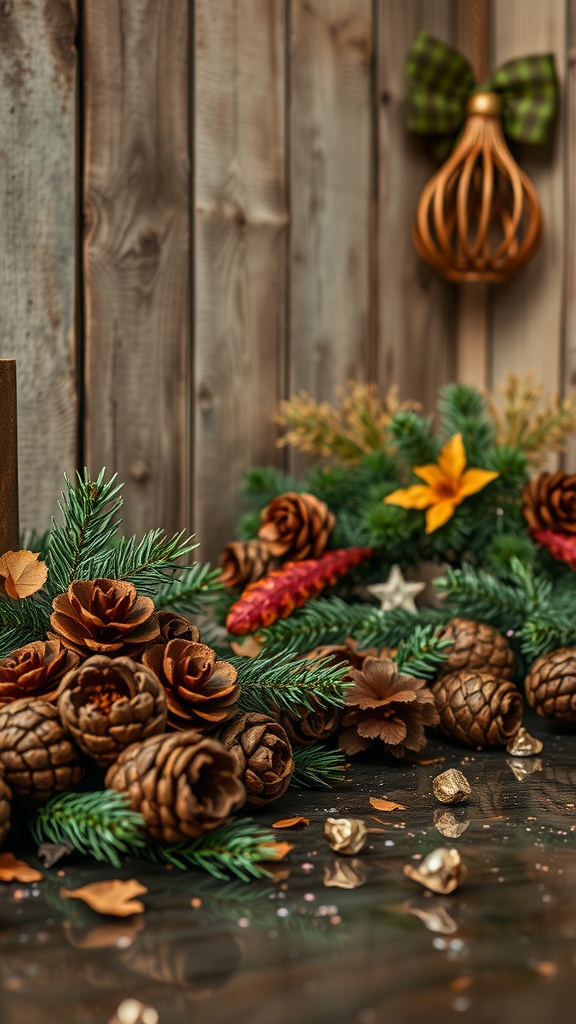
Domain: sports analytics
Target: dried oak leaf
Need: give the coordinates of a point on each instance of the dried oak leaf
(386, 805)
(298, 822)
(13, 870)
(23, 573)
(114, 897)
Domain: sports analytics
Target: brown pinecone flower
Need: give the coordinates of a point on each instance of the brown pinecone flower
(175, 627)
(108, 703)
(35, 670)
(263, 754)
(296, 526)
(104, 617)
(477, 646)
(37, 758)
(386, 705)
(245, 561)
(310, 726)
(550, 502)
(201, 692)
(550, 686)
(344, 654)
(5, 809)
(182, 783)
(478, 708)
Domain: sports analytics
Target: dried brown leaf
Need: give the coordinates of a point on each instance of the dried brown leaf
(23, 573)
(386, 805)
(114, 897)
(275, 851)
(297, 822)
(13, 870)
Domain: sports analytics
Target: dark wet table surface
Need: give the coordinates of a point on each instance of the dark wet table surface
(335, 939)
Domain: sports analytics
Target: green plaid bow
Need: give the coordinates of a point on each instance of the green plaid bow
(440, 81)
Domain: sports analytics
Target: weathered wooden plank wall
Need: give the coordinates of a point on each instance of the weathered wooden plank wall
(248, 189)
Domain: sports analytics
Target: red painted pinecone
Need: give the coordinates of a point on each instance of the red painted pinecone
(477, 646)
(175, 627)
(108, 703)
(244, 561)
(201, 692)
(182, 783)
(550, 502)
(37, 758)
(35, 670)
(550, 686)
(308, 726)
(104, 617)
(386, 705)
(263, 754)
(478, 709)
(5, 808)
(296, 526)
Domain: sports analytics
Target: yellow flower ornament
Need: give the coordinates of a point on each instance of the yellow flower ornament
(446, 485)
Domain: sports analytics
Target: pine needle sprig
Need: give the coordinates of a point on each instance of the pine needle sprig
(238, 849)
(100, 825)
(317, 767)
(90, 511)
(147, 562)
(192, 592)
(280, 683)
(423, 652)
(12, 639)
(477, 594)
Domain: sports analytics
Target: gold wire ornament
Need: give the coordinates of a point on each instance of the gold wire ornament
(479, 217)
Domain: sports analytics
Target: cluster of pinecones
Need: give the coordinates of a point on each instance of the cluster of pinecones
(134, 691)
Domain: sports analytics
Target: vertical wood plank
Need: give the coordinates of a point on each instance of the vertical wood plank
(241, 225)
(37, 240)
(416, 308)
(568, 382)
(136, 253)
(526, 314)
(331, 193)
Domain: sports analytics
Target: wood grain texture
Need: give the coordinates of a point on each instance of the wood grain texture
(9, 518)
(416, 308)
(136, 253)
(526, 314)
(331, 193)
(241, 226)
(37, 240)
(568, 382)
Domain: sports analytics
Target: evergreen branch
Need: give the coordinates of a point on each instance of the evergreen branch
(264, 483)
(238, 848)
(279, 683)
(423, 652)
(192, 591)
(411, 435)
(99, 825)
(90, 523)
(145, 563)
(12, 639)
(476, 594)
(317, 767)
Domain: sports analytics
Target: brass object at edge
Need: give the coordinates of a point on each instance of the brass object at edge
(441, 871)
(346, 835)
(451, 787)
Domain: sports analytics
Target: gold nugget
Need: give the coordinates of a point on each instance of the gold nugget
(441, 871)
(451, 787)
(448, 825)
(346, 835)
(523, 744)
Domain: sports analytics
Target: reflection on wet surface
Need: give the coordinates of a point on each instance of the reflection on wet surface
(332, 938)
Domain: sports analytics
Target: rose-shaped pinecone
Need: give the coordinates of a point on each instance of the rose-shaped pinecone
(477, 646)
(550, 686)
(35, 670)
(37, 758)
(549, 502)
(310, 726)
(175, 627)
(5, 808)
(263, 754)
(182, 783)
(296, 526)
(104, 617)
(108, 703)
(245, 561)
(478, 709)
(201, 692)
(384, 704)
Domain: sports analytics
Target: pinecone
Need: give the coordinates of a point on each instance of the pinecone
(175, 627)
(310, 726)
(108, 703)
(478, 709)
(103, 617)
(37, 758)
(201, 692)
(263, 754)
(347, 653)
(244, 561)
(5, 809)
(183, 784)
(386, 705)
(477, 646)
(550, 686)
(35, 670)
(296, 526)
(550, 502)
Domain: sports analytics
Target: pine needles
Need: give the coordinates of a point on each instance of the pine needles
(279, 683)
(317, 767)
